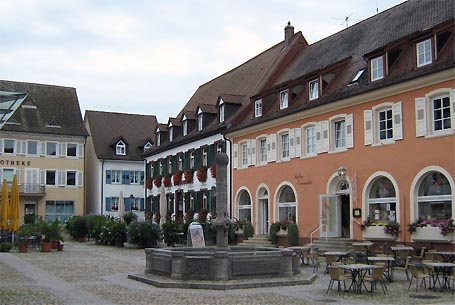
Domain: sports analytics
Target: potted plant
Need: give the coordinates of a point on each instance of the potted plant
(213, 170)
(170, 232)
(118, 233)
(80, 228)
(431, 230)
(293, 235)
(157, 180)
(23, 234)
(248, 230)
(49, 231)
(167, 180)
(148, 183)
(273, 232)
(188, 175)
(177, 177)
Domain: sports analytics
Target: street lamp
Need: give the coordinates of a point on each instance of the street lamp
(342, 172)
(131, 202)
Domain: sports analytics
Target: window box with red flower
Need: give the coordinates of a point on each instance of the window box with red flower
(213, 170)
(114, 208)
(157, 180)
(148, 183)
(188, 175)
(177, 177)
(167, 181)
(201, 174)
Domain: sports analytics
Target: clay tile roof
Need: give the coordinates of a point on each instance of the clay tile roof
(107, 128)
(233, 99)
(54, 109)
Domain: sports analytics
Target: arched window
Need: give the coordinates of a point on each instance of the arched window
(434, 197)
(244, 206)
(287, 205)
(382, 202)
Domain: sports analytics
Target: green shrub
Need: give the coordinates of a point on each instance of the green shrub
(248, 230)
(274, 228)
(95, 225)
(129, 217)
(49, 230)
(79, 227)
(5, 246)
(170, 231)
(293, 235)
(143, 233)
(113, 232)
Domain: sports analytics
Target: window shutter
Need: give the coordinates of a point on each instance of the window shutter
(142, 177)
(368, 126)
(125, 177)
(21, 147)
(211, 151)
(142, 207)
(253, 152)
(274, 150)
(18, 176)
(80, 150)
(236, 155)
(421, 117)
(291, 143)
(108, 177)
(318, 132)
(61, 177)
(1, 147)
(42, 146)
(325, 136)
(452, 109)
(268, 144)
(127, 202)
(80, 178)
(61, 149)
(43, 178)
(298, 142)
(397, 121)
(349, 131)
(108, 204)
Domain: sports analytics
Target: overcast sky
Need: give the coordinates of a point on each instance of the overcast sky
(149, 56)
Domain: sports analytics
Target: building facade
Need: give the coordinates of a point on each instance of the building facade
(357, 134)
(182, 161)
(44, 147)
(114, 162)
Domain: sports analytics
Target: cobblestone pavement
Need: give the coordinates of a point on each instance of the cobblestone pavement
(85, 273)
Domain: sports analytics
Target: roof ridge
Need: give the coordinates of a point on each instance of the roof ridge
(37, 84)
(121, 113)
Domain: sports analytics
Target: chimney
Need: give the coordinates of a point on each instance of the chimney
(288, 34)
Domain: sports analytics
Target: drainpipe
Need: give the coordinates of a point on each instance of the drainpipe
(102, 189)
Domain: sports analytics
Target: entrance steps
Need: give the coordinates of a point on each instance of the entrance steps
(333, 244)
(257, 241)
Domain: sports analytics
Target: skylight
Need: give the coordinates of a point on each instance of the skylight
(9, 102)
(357, 76)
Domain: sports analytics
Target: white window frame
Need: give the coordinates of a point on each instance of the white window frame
(56, 149)
(286, 204)
(330, 143)
(339, 134)
(204, 156)
(4, 146)
(243, 154)
(180, 161)
(443, 109)
(68, 172)
(313, 89)
(262, 150)
(116, 176)
(285, 143)
(424, 52)
(75, 151)
(222, 108)
(48, 171)
(135, 177)
(158, 138)
(184, 127)
(199, 121)
(284, 99)
(377, 68)
(372, 124)
(37, 148)
(192, 159)
(310, 140)
(171, 133)
(120, 148)
(258, 108)
(424, 116)
(169, 165)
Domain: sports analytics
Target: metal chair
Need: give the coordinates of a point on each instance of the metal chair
(337, 275)
(405, 266)
(376, 276)
(416, 274)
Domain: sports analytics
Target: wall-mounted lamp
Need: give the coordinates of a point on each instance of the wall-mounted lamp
(342, 172)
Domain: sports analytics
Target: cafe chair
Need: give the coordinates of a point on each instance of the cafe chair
(317, 260)
(419, 275)
(329, 260)
(405, 266)
(337, 275)
(375, 277)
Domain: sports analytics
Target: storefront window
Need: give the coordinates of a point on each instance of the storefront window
(434, 198)
(244, 206)
(287, 205)
(382, 201)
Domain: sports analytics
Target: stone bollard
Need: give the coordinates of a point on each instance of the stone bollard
(286, 263)
(177, 265)
(221, 266)
(148, 260)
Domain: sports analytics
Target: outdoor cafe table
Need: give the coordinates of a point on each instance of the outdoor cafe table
(401, 253)
(339, 254)
(442, 268)
(390, 263)
(358, 272)
(447, 256)
(301, 252)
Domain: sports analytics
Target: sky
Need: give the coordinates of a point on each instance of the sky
(149, 56)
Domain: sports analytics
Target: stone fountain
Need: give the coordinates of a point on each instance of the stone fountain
(223, 266)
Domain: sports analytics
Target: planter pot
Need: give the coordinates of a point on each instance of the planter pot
(282, 232)
(46, 246)
(23, 248)
(376, 233)
(54, 244)
(59, 247)
(82, 239)
(432, 234)
(239, 231)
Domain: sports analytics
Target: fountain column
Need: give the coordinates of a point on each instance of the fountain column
(222, 222)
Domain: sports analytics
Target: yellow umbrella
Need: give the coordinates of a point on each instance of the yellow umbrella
(14, 206)
(4, 207)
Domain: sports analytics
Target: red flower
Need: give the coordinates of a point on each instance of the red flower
(201, 174)
(188, 175)
(213, 170)
(167, 181)
(157, 180)
(177, 177)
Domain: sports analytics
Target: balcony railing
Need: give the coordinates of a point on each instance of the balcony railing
(31, 189)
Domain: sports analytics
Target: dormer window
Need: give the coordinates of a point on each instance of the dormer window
(377, 68)
(120, 148)
(284, 99)
(313, 89)
(258, 108)
(148, 145)
(171, 133)
(184, 126)
(424, 54)
(199, 122)
(158, 138)
(222, 107)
